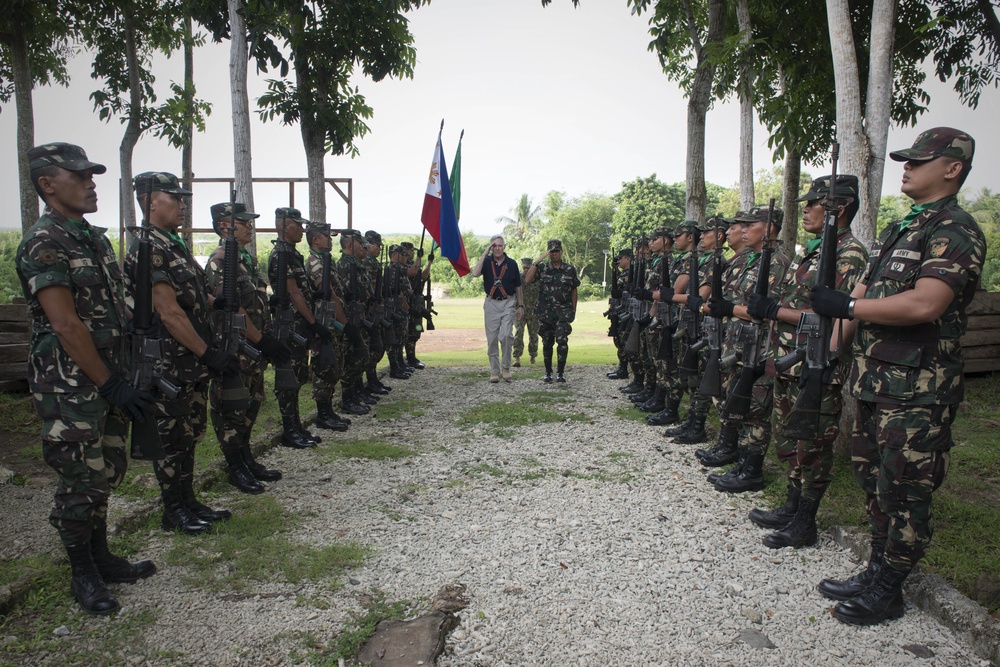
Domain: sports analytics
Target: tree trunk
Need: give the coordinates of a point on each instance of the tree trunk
(878, 103)
(132, 128)
(187, 152)
(745, 91)
(698, 103)
(21, 74)
(238, 58)
(315, 170)
(790, 208)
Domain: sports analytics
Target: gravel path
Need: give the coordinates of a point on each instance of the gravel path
(579, 543)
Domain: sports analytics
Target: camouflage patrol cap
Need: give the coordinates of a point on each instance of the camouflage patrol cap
(67, 156)
(685, 227)
(759, 214)
(716, 222)
(158, 181)
(394, 248)
(373, 237)
(847, 186)
(663, 232)
(316, 227)
(624, 252)
(231, 210)
(406, 245)
(554, 245)
(938, 142)
(527, 261)
(351, 234)
(290, 213)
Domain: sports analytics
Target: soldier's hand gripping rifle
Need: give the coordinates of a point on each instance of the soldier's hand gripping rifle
(664, 313)
(751, 341)
(326, 312)
(284, 314)
(640, 318)
(804, 418)
(711, 381)
(144, 344)
(692, 316)
(232, 325)
(428, 300)
(356, 314)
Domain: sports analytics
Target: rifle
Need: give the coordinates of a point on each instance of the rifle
(356, 306)
(284, 314)
(635, 305)
(738, 404)
(612, 312)
(711, 381)
(692, 318)
(232, 324)
(326, 312)
(386, 303)
(665, 350)
(804, 418)
(144, 344)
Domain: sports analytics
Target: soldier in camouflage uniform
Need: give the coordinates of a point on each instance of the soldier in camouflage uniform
(189, 355)
(73, 287)
(529, 293)
(810, 462)
(652, 292)
(397, 310)
(325, 375)
(638, 383)
(376, 337)
(233, 428)
(684, 238)
(289, 223)
(418, 276)
(906, 316)
(556, 306)
(624, 262)
(357, 293)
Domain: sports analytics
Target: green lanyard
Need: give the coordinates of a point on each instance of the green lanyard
(175, 236)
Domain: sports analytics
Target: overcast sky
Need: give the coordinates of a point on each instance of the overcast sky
(550, 99)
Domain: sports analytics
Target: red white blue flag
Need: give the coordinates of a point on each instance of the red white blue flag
(438, 215)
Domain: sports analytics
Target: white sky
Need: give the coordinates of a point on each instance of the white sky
(553, 99)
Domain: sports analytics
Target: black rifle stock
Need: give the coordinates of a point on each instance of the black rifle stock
(635, 306)
(692, 318)
(284, 314)
(232, 325)
(326, 312)
(429, 306)
(711, 381)
(665, 349)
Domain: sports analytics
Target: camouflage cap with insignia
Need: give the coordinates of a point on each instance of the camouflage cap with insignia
(938, 142)
(685, 227)
(847, 186)
(759, 214)
(227, 209)
(394, 248)
(527, 261)
(624, 252)
(317, 227)
(373, 237)
(158, 181)
(406, 245)
(554, 244)
(715, 222)
(289, 213)
(59, 154)
(663, 232)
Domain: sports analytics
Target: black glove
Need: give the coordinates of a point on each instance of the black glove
(830, 302)
(666, 294)
(420, 252)
(220, 303)
(353, 334)
(135, 402)
(763, 307)
(274, 349)
(430, 257)
(219, 360)
(694, 302)
(720, 308)
(321, 332)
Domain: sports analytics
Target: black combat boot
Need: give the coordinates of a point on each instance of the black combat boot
(561, 367)
(186, 483)
(620, 373)
(881, 601)
(291, 436)
(647, 391)
(695, 434)
(351, 405)
(682, 428)
(782, 516)
(636, 385)
(655, 402)
(411, 357)
(732, 472)
(256, 469)
(724, 451)
(115, 569)
(239, 475)
(306, 435)
(326, 419)
(750, 478)
(845, 589)
(801, 531)
(87, 586)
(668, 415)
(176, 515)
(373, 386)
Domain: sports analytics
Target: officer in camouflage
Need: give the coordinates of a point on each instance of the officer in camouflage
(73, 287)
(529, 294)
(624, 262)
(556, 306)
(357, 293)
(906, 317)
(376, 340)
(397, 310)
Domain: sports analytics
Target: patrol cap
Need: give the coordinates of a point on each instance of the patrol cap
(624, 252)
(231, 210)
(759, 214)
(373, 237)
(59, 154)
(527, 261)
(317, 227)
(554, 244)
(938, 142)
(290, 213)
(713, 223)
(394, 248)
(351, 234)
(159, 181)
(406, 245)
(661, 232)
(847, 186)
(685, 227)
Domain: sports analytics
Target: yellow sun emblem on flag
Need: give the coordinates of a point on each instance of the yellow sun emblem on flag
(434, 172)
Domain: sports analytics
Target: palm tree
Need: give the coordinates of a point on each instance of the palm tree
(526, 217)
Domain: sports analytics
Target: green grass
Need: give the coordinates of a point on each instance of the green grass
(503, 418)
(345, 645)
(390, 409)
(374, 449)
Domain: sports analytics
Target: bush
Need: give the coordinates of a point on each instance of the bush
(10, 286)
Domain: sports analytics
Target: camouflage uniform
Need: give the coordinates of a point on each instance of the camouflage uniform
(376, 343)
(555, 309)
(288, 399)
(529, 293)
(397, 293)
(324, 377)
(675, 384)
(357, 293)
(83, 435)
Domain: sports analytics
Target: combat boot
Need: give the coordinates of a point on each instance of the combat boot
(115, 569)
(655, 402)
(845, 589)
(373, 386)
(782, 516)
(636, 385)
(517, 362)
(647, 391)
(413, 362)
(668, 415)
(396, 367)
(350, 404)
(325, 417)
(186, 484)
(695, 434)
(620, 373)
(732, 472)
(257, 470)
(176, 515)
(680, 429)
(881, 601)
(239, 475)
(724, 451)
(750, 477)
(561, 369)
(801, 531)
(291, 437)
(86, 585)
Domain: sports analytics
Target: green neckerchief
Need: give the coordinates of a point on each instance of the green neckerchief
(812, 244)
(319, 253)
(752, 257)
(915, 210)
(177, 237)
(705, 257)
(81, 225)
(247, 256)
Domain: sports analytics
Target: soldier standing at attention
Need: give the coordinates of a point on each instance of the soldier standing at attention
(624, 261)
(397, 305)
(529, 294)
(73, 287)
(189, 356)
(233, 428)
(906, 317)
(503, 304)
(374, 269)
(556, 306)
(352, 279)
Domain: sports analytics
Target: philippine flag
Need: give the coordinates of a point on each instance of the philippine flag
(439, 217)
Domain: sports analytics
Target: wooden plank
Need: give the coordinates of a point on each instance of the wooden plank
(986, 337)
(14, 337)
(982, 365)
(20, 385)
(982, 352)
(978, 322)
(15, 326)
(14, 352)
(13, 371)
(13, 312)
(985, 303)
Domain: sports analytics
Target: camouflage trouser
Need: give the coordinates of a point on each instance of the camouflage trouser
(554, 332)
(182, 423)
(531, 323)
(664, 367)
(900, 455)
(355, 360)
(756, 430)
(326, 377)
(376, 348)
(288, 399)
(699, 402)
(647, 346)
(83, 440)
(808, 460)
(677, 384)
(232, 428)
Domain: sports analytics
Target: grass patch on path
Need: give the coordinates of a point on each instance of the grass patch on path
(503, 418)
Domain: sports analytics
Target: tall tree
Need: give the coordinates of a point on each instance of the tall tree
(583, 224)
(643, 205)
(524, 219)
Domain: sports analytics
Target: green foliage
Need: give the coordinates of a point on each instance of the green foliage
(346, 644)
(525, 221)
(583, 224)
(10, 286)
(44, 33)
(644, 205)
(373, 449)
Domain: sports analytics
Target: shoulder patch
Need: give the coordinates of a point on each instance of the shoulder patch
(157, 260)
(939, 246)
(48, 256)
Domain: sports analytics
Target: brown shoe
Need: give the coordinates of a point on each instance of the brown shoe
(517, 362)
(494, 379)
(532, 360)
(505, 373)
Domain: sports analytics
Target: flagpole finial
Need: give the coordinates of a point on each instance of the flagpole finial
(442, 123)
(462, 134)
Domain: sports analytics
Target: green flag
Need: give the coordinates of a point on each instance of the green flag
(455, 178)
